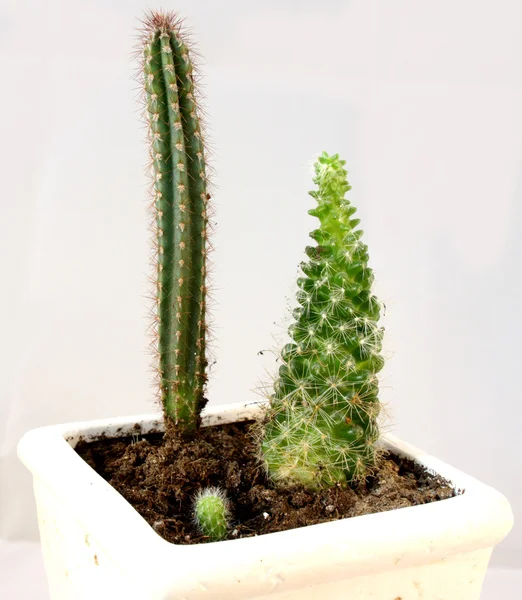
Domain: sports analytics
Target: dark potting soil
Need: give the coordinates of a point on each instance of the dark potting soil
(160, 478)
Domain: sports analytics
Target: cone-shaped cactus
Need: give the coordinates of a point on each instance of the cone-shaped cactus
(180, 218)
(211, 513)
(321, 425)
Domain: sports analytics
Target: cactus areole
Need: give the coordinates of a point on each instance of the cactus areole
(321, 426)
(180, 219)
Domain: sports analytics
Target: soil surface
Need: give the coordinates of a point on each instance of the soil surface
(160, 479)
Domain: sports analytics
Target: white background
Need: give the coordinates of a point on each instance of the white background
(423, 100)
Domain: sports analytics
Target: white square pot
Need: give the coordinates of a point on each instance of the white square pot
(96, 545)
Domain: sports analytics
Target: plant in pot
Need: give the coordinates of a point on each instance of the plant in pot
(274, 481)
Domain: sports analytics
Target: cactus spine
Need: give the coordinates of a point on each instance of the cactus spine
(180, 215)
(321, 425)
(211, 513)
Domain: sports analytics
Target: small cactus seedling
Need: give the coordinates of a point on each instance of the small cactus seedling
(321, 425)
(180, 218)
(211, 513)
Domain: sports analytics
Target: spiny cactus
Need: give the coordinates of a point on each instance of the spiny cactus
(211, 513)
(321, 425)
(180, 197)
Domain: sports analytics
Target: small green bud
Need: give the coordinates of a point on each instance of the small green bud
(211, 513)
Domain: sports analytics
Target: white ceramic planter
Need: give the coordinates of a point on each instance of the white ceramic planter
(96, 545)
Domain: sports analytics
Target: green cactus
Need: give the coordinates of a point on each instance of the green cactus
(180, 217)
(321, 424)
(211, 513)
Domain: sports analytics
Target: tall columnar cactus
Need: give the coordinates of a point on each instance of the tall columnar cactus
(322, 421)
(180, 214)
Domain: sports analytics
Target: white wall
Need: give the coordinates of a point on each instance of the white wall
(423, 99)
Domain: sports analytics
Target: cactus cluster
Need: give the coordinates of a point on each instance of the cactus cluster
(179, 204)
(212, 513)
(321, 425)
